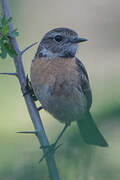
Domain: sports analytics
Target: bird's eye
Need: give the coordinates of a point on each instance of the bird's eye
(58, 38)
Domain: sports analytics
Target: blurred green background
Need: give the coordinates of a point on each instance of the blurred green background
(99, 21)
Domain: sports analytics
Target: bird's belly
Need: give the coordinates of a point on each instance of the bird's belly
(66, 107)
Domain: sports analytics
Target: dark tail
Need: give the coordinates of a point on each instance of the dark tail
(90, 132)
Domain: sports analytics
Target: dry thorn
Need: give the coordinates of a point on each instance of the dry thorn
(27, 132)
(11, 74)
(28, 47)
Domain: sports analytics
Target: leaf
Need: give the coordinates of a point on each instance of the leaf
(12, 53)
(5, 30)
(3, 53)
(3, 20)
(9, 20)
(1, 42)
(5, 34)
(14, 33)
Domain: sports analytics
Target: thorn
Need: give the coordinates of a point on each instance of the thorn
(28, 47)
(27, 132)
(11, 74)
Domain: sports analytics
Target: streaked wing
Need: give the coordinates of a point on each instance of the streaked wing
(84, 81)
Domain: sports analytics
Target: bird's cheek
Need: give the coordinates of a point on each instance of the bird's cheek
(73, 49)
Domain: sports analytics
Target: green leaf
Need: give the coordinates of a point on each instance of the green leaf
(5, 34)
(14, 33)
(12, 53)
(3, 20)
(3, 53)
(5, 30)
(9, 20)
(1, 42)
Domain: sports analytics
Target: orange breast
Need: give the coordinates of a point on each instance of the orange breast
(56, 84)
(60, 74)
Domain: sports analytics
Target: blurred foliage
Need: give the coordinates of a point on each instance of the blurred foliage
(5, 35)
(75, 159)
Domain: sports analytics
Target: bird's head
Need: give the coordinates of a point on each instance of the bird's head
(59, 42)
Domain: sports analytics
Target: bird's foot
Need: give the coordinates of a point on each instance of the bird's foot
(29, 89)
(40, 108)
(50, 150)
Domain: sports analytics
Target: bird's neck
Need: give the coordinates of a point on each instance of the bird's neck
(47, 54)
(53, 55)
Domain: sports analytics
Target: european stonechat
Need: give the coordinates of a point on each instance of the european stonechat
(61, 84)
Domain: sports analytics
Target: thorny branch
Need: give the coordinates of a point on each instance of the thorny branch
(33, 112)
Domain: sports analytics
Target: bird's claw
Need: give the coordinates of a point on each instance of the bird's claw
(40, 108)
(51, 149)
(29, 89)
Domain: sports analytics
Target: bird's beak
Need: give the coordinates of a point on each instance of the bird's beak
(79, 40)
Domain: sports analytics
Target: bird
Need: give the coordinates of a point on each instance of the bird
(61, 84)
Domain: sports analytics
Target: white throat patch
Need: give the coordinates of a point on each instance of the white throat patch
(48, 53)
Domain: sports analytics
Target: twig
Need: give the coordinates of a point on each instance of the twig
(24, 50)
(11, 74)
(33, 112)
(27, 132)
